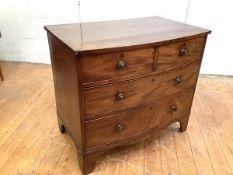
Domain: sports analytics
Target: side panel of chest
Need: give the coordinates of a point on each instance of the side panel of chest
(66, 87)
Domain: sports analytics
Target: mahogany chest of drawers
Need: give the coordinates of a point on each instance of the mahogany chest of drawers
(117, 82)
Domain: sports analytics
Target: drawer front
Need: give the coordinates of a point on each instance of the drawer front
(130, 93)
(121, 126)
(116, 65)
(177, 54)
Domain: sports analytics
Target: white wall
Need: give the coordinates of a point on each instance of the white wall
(21, 25)
(24, 38)
(216, 15)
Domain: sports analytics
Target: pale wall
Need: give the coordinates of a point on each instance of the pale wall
(24, 39)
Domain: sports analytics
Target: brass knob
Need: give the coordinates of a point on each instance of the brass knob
(119, 128)
(174, 107)
(184, 52)
(120, 96)
(121, 65)
(179, 80)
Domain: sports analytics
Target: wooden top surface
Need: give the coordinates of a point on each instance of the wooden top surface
(93, 37)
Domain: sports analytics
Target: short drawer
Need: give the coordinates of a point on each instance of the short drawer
(178, 54)
(116, 65)
(126, 94)
(123, 125)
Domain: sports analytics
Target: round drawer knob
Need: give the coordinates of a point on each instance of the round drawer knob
(120, 96)
(119, 128)
(121, 65)
(184, 52)
(174, 108)
(179, 80)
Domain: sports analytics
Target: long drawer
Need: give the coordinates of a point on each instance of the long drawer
(126, 94)
(123, 125)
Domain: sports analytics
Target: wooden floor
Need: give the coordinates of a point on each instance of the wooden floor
(30, 142)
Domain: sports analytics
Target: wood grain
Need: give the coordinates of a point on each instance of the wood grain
(103, 99)
(104, 66)
(25, 104)
(103, 131)
(67, 98)
(106, 36)
(169, 56)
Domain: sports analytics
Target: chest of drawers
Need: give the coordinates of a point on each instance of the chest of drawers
(118, 82)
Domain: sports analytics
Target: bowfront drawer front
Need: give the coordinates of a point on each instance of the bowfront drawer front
(121, 126)
(116, 65)
(177, 54)
(131, 93)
